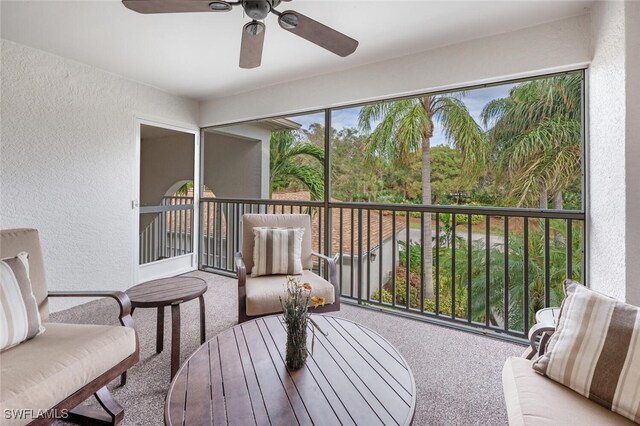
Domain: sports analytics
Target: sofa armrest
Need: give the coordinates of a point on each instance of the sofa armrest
(242, 287)
(123, 301)
(241, 268)
(542, 331)
(333, 269)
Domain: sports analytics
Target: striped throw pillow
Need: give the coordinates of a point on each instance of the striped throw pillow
(596, 350)
(277, 251)
(19, 316)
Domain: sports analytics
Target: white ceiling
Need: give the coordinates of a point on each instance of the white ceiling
(196, 54)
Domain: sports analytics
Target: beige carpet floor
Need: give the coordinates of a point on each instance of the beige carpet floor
(457, 374)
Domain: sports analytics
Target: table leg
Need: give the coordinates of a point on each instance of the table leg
(175, 339)
(160, 330)
(202, 326)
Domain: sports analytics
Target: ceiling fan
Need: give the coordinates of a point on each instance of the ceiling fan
(253, 32)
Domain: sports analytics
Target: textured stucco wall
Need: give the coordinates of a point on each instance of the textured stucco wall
(164, 161)
(236, 160)
(542, 48)
(632, 29)
(68, 161)
(607, 150)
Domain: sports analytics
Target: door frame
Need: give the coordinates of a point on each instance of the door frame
(180, 264)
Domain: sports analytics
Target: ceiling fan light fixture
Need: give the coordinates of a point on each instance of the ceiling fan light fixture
(253, 28)
(257, 9)
(288, 21)
(220, 6)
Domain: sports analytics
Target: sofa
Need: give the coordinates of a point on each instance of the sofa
(51, 374)
(533, 399)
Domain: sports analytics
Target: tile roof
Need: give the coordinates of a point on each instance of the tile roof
(372, 231)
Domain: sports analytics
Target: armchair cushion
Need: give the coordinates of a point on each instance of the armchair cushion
(19, 316)
(43, 371)
(277, 251)
(263, 293)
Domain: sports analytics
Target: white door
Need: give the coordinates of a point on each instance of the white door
(166, 223)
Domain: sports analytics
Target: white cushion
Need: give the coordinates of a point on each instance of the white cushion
(263, 293)
(535, 400)
(43, 371)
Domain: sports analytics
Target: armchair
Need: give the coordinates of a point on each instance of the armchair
(259, 296)
(53, 373)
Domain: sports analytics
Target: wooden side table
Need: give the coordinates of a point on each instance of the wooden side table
(169, 292)
(539, 334)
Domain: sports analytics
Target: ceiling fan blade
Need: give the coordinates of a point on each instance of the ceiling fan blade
(252, 43)
(309, 29)
(172, 6)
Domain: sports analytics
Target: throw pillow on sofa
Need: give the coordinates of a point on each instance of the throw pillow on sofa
(19, 316)
(277, 251)
(596, 350)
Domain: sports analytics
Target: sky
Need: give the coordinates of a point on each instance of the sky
(474, 99)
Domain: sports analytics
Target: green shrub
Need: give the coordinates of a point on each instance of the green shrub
(415, 256)
(463, 219)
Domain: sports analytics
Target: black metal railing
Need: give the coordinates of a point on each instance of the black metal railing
(167, 230)
(221, 233)
(491, 268)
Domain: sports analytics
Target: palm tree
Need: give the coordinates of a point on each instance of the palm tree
(406, 127)
(535, 138)
(289, 162)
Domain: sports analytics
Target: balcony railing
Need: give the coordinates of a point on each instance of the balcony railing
(491, 268)
(168, 232)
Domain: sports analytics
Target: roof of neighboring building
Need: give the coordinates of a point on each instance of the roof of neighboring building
(369, 233)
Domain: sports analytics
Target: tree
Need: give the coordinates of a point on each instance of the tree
(535, 139)
(406, 126)
(350, 181)
(447, 178)
(287, 165)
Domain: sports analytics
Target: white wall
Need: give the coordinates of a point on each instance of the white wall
(614, 151)
(632, 28)
(558, 45)
(387, 268)
(234, 166)
(164, 161)
(68, 161)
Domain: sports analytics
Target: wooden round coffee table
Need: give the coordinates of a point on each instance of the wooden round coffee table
(169, 292)
(239, 377)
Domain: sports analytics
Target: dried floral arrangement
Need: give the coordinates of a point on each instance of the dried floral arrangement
(295, 308)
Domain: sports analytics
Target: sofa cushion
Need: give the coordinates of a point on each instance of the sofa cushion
(14, 241)
(19, 316)
(41, 372)
(263, 293)
(596, 350)
(277, 251)
(533, 399)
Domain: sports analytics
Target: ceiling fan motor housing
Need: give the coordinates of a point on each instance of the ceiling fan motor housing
(258, 9)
